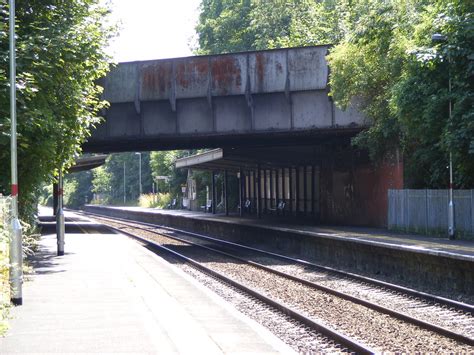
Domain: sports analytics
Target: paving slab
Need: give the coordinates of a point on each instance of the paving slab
(109, 294)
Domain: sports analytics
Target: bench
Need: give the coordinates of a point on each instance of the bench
(171, 205)
(207, 207)
(280, 206)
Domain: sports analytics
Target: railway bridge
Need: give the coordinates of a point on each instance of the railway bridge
(223, 100)
(271, 109)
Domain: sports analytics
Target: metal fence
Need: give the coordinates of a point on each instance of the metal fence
(5, 218)
(426, 211)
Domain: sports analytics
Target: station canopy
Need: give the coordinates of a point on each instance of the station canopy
(233, 159)
(88, 163)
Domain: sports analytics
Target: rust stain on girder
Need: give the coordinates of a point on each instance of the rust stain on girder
(267, 71)
(279, 68)
(156, 77)
(192, 71)
(226, 74)
(260, 70)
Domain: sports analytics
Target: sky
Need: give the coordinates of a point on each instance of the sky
(153, 29)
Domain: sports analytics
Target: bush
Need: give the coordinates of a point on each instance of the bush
(4, 266)
(160, 200)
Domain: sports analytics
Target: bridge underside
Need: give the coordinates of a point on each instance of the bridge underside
(268, 110)
(171, 142)
(268, 97)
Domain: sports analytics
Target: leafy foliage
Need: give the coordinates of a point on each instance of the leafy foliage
(401, 78)
(162, 164)
(383, 59)
(77, 189)
(224, 24)
(60, 55)
(108, 180)
(4, 265)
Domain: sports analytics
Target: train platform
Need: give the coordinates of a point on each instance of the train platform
(417, 259)
(462, 249)
(109, 294)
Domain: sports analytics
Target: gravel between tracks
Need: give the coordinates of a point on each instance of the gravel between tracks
(299, 337)
(370, 327)
(440, 315)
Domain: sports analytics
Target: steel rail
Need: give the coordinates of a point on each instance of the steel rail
(402, 316)
(468, 308)
(340, 338)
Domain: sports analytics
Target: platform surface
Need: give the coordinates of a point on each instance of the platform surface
(458, 249)
(109, 294)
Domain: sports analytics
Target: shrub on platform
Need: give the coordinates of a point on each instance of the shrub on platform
(4, 280)
(160, 200)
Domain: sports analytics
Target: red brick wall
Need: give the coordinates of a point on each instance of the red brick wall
(354, 190)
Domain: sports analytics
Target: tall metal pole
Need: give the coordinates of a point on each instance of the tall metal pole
(140, 171)
(16, 256)
(60, 228)
(124, 186)
(451, 217)
(437, 37)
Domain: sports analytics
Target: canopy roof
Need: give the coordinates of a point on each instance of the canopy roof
(88, 163)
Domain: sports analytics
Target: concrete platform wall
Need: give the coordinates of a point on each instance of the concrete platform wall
(412, 268)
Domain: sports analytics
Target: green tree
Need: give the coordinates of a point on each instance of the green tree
(109, 181)
(224, 25)
(60, 56)
(162, 164)
(78, 189)
(102, 184)
(400, 79)
(232, 26)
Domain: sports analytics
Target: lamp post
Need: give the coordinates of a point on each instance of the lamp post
(140, 171)
(124, 186)
(16, 253)
(60, 227)
(440, 38)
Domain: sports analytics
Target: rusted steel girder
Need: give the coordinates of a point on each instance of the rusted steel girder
(200, 101)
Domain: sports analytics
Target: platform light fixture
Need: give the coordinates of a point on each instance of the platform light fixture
(440, 38)
(124, 185)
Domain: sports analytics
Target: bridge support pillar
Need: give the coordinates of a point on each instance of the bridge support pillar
(257, 191)
(226, 201)
(241, 192)
(213, 188)
(290, 185)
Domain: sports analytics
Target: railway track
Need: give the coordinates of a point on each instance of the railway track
(449, 329)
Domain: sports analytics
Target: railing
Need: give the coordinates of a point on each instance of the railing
(426, 211)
